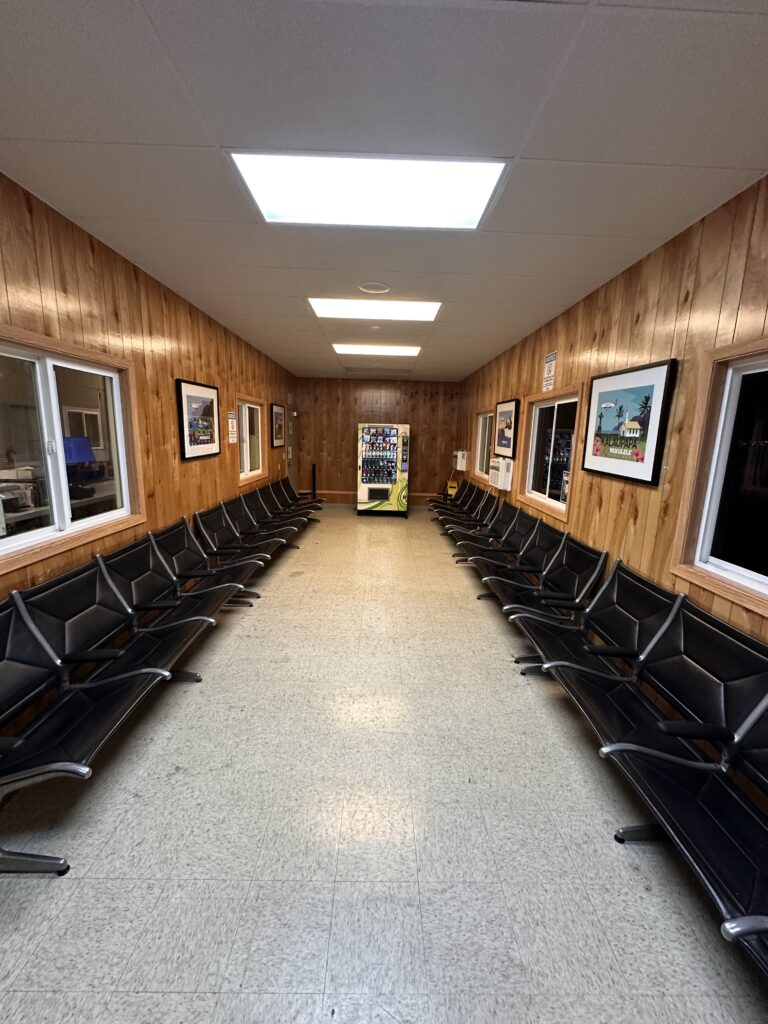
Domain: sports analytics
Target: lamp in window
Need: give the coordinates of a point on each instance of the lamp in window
(78, 453)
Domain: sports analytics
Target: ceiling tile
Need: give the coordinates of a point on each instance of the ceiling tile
(561, 197)
(201, 283)
(660, 87)
(390, 249)
(149, 182)
(556, 255)
(200, 243)
(366, 77)
(90, 72)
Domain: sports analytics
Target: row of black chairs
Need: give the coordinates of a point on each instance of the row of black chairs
(79, 653)
(677, 697)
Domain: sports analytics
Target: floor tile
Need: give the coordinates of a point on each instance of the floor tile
(281, 943)
(377, 840)
(152, 1008)
(376, 1009)
(268, 1009)
(468, 939)
(452, 843)
(187, 941)
(376, 939)
(301, 843)
(54, 1008)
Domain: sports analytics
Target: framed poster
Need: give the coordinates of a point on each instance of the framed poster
(198, 407)
(278, 425)
(505, 432)
(627, 422)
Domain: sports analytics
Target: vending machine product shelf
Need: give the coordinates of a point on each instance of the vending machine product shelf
(383, 454)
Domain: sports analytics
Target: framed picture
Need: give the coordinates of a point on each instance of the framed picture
(198, 406)
(278, 425)
(627, 422)
(505, 434)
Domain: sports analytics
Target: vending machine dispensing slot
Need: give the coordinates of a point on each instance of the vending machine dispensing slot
(383, 458)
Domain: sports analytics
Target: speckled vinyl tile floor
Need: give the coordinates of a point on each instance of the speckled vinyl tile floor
(363, 815)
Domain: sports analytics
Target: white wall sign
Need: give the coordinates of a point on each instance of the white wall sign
(550, 362)
(232, 426)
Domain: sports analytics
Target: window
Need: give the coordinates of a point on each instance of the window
(484, 438)
(551, 449)
(62, 457)
(732, 536)
(249, 428)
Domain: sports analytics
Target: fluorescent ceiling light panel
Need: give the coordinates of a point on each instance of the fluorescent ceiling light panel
(378, 350)
(374, 309)
(378, 192)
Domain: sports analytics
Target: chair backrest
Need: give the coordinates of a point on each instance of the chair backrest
(461, 490)
(283, 489)
(28, 668)
(575, 570)
(490, 510)
(281, 501)
(289, 489)
(711, 672)
(523, 526)
(216, 529)
(180, 548)
(140, 573)
(503, 519)
(256, 506)
(76, 611)
(270, 501)
(630, 611)
(240, 515)
(476, 501)
(542, 546)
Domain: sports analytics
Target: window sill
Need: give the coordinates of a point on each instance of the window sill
(552, 508)
(252, 478)
(37, 552)
(741, 594)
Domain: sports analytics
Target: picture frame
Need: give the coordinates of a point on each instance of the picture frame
(505, 426)
(199, 428)
(627, 421)
(277, 421)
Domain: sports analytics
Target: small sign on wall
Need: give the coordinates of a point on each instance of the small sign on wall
(550, 362)
(232, 427)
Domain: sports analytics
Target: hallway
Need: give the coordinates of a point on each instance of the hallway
(364, 815)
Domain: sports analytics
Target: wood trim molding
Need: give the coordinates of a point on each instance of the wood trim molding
(130, 405)
(710, 371)
(524, 449)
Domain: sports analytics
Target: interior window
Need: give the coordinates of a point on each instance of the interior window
(549, 464)
(249, 417)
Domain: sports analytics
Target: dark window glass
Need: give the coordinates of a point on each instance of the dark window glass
(739, 536)
(552, 448)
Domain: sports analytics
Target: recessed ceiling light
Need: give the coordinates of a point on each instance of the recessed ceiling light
(374, 287)
(374, 309)
(377, 350)
(389, 192)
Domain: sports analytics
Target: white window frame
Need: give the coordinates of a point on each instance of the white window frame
(483, 445)
(52, 439)
(703, 558)
(536, 407)
(243, 404)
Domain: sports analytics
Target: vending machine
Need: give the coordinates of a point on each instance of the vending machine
(382, 468)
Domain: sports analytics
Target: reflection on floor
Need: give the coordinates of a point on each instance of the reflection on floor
(364, 814)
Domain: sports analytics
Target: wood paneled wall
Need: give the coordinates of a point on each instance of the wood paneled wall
(329, 411)
(707, 287)
(57, 280)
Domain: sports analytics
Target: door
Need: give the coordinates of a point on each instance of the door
(292, 444)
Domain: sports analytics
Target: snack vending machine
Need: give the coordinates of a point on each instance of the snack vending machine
(382, 467)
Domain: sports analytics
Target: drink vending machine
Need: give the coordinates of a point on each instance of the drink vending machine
(382, 468)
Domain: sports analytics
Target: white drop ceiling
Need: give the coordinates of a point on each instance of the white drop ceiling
(622, 123)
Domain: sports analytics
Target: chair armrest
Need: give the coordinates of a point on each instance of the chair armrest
(740, 927)
(697, 731)
(560, 602)
(152, 606)
(609, 651)
(97, 654)
(583, 670)
(163, 626)
(612, 749)
(195, 575)
(120, 678)
(10, 743)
